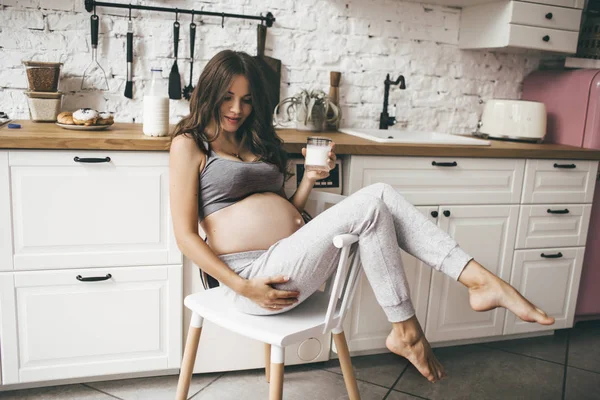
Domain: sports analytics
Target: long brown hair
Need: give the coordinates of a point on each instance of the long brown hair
(256, 133)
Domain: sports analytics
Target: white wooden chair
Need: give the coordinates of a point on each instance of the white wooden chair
(321, 313)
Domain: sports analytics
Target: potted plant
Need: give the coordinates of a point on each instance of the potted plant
(308, 109)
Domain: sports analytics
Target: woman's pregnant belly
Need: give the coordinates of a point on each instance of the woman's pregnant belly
(254, 223)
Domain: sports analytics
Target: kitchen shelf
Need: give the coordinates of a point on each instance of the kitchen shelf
(90, 5)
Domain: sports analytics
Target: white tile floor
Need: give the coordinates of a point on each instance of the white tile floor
(563, 366)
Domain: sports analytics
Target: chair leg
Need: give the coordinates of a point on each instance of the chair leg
(346, 364)
(276, 382)
(268, 361)
(189, 357)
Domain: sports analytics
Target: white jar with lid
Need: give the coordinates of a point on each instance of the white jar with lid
(44, 106)
(156, 106)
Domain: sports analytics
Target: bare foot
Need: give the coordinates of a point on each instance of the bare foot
(487, 291)
(407, 340)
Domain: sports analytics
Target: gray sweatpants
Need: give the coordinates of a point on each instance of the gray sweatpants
(385, 223)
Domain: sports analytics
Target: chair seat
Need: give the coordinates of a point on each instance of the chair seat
(302, 322)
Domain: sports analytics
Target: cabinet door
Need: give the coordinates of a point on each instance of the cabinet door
(71, 214)
(488, 234)
(6, 248)
(551, 282)
(366, 326)
(9, 361)
(67, 328)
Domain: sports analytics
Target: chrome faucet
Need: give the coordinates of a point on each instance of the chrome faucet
(385, 119)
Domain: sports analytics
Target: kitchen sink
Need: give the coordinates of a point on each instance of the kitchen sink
(395, 136)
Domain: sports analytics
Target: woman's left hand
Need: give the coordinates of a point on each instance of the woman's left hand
(316, 175)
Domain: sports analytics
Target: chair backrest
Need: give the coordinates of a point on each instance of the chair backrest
(341, 287)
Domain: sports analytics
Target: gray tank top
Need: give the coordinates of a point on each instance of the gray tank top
(224, 182)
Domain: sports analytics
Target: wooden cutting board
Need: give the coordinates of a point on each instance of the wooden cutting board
(270, 67)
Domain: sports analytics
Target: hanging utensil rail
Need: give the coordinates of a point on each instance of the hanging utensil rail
(90, 4)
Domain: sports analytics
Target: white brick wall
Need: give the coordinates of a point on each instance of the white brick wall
(364, 40)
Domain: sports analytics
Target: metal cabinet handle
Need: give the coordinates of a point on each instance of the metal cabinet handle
(567, 166)
(434, 214)
(565, 211)
(93, 278)
(549, 16)
(446, 213)
(546, 38)
(444, 164)
(559, 255)
(91, 160)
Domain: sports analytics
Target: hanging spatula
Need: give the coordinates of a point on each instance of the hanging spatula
(174, 77)
(187, 91)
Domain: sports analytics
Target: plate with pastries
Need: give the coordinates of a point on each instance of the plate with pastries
(85, 119)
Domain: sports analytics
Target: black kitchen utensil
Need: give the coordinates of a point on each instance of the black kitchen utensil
(129, 83)
(270, 67)
(174, 77)
(187, 91)
(94, 77)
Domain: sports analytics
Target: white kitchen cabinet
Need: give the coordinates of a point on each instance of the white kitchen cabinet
(559, 181)
(521, 25)
(9, 360)
(74, 209)
(552, 225)
(488, 234)
(6, 262)
(550, 279)
(128, 322)
(440, 180)
(435, 180)
(469, 3)
(366, 325)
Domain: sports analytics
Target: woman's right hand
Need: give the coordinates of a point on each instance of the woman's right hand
(260, 291)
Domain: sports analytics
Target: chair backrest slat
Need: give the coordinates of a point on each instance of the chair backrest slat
(342, 285)
(355, 274)
(336, 288)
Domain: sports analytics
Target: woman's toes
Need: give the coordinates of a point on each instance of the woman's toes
(542, 317)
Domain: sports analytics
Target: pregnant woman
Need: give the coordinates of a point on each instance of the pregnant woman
(227, 169)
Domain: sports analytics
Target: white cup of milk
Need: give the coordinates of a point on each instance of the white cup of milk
(317, 154)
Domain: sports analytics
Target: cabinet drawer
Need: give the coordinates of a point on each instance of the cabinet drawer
(551, 225)
(68, 328)
(546, 39)
(559, 181)
(545, 16)
(422, 181)
(549, 283)
(562, 3)
(69, 214)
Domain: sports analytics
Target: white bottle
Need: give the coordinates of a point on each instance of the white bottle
(156, 106)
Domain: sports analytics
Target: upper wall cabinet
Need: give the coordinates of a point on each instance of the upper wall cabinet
(468, 3)
(549, 25)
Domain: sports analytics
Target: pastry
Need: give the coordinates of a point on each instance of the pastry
(85, 116)
(65, 118)
(105, 118)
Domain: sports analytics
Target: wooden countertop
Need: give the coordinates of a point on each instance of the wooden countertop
(124, 136)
